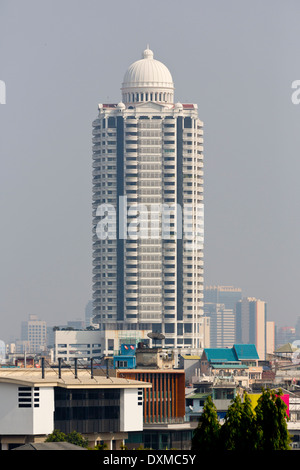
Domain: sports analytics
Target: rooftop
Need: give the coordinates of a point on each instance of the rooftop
(239, 352)
(33, 378)
(49, 446)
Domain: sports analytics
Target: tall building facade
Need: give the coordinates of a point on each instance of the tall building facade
(220, 306)
(148, 209)
(222, 325)
(227, 295)
(251, 319)
(34, 332)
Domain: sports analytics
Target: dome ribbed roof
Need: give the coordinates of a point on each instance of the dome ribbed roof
(147, 72)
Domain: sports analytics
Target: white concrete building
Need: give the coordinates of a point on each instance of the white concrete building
(85, 344)
(34, 334)
(148, 209)
(34, 402)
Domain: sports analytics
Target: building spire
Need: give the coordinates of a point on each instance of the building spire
(148, 54)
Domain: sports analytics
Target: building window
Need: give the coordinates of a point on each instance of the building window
(25, 397)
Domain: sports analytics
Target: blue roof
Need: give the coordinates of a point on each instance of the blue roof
(245, 351)
(220, 354)
(238, 352)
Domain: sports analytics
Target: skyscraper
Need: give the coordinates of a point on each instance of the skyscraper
(227, 295)
(251, 317)
(34, 331)
(222, 325)
(148, 209)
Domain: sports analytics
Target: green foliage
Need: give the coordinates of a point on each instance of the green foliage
(77, 439)
(101, 447)
(244, 429)
(239, 431)
(206, 435)
(271, 419)
(73, 438)
(56, 436)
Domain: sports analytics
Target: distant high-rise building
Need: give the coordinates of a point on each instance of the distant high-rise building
(270, 348)
(35, 332)
(148, 209)
(222, 325)
(89, 313)
(285, 334)
(227, 295)
(251, 324)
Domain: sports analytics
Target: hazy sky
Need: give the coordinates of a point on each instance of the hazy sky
(235, 59)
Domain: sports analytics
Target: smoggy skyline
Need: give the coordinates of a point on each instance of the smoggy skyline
(236, 60)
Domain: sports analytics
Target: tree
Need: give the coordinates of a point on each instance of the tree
(206, 435)
(245, 429)
(239, 430)
(248, 428)
(73, 438)
(271, 419)
(56, 436)
(77, 439)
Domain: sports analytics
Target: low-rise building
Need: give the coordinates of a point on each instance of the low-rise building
(241, 363)
(164, 403)
(87, 344)
(222, 392)
(34, 402)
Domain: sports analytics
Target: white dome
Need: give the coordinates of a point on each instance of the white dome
(121, 105)
(147, 75)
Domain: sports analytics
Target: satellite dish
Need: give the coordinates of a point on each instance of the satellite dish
(156, 336)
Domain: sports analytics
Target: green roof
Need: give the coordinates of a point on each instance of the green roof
(245, 351)
(198, 395)
(286, 348)
(220, 354)
(228, 366)
(239, 352)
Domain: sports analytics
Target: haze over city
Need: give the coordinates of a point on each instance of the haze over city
(236, 60)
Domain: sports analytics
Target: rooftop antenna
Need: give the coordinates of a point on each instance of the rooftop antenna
(156, 337)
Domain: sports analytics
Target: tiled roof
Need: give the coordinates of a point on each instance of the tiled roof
(238, 352)
(220, 354)
(245, 351)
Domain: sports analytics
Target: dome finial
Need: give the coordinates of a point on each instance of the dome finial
(148, 54)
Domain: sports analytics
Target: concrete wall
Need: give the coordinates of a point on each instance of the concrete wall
(131, 413)
(33, 420)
